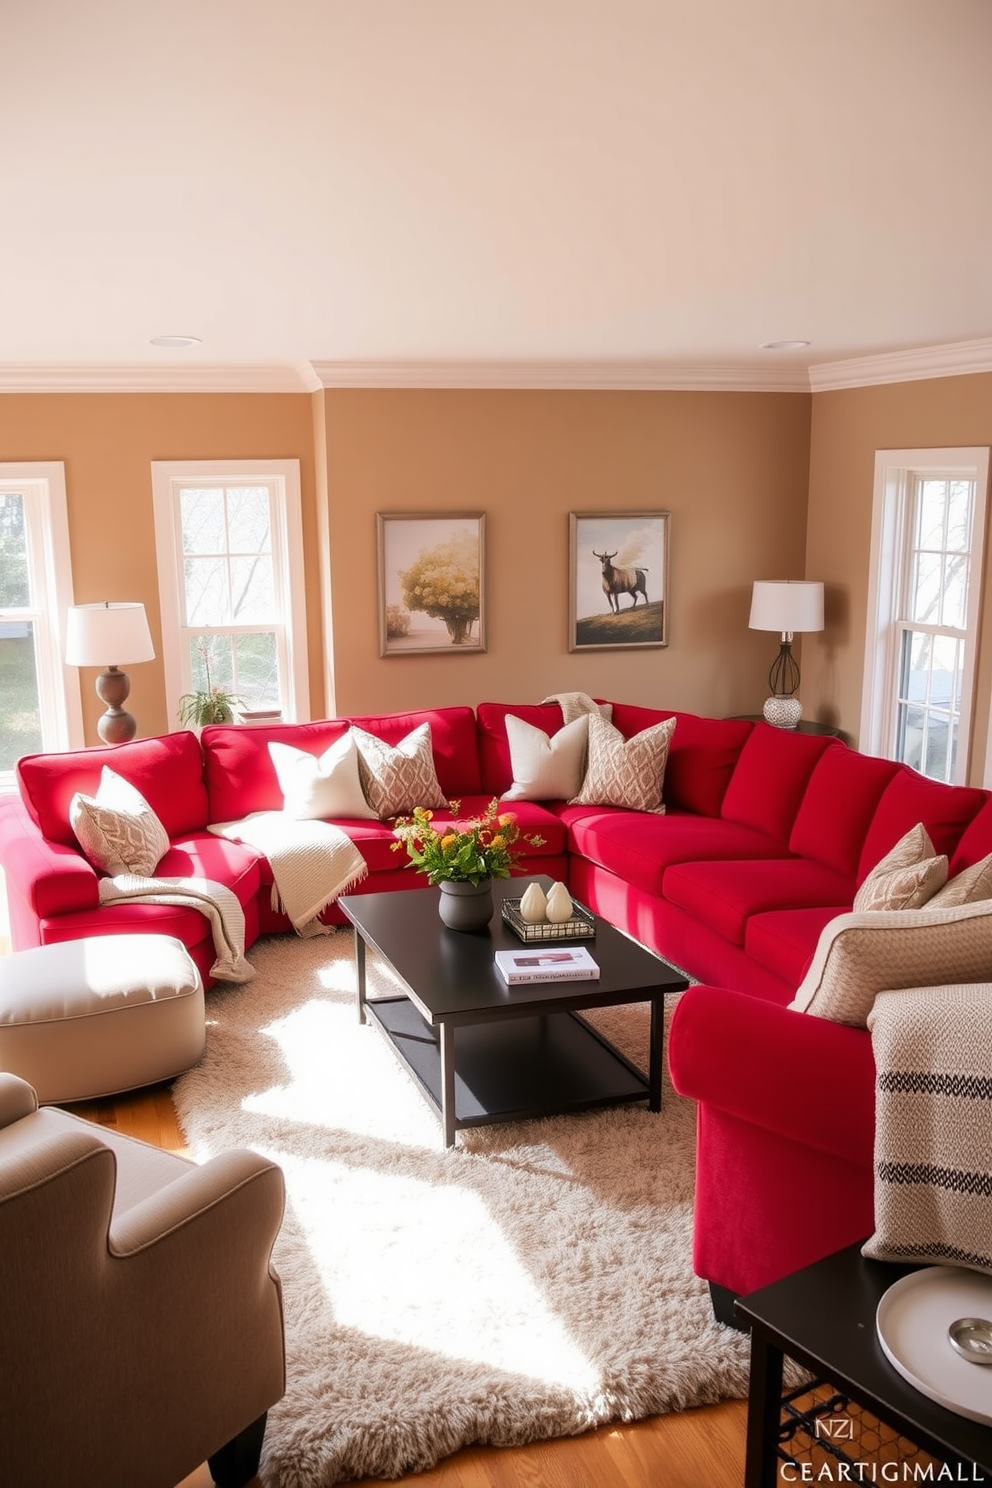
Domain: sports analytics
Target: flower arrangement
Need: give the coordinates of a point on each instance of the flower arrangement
(462, 852)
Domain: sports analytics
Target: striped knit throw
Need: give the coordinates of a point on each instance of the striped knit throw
(933, 1125)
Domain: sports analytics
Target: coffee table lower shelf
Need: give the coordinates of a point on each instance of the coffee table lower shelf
(513, 1069)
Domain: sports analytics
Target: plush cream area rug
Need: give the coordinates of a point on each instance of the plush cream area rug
(533, 1282)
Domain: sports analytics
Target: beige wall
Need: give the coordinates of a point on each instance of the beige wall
(732, 468)
(848, 426)
(107, 442)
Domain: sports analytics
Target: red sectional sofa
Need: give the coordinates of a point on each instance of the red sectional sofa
(766, 837)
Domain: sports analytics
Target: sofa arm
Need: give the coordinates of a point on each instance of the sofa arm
(801, 1077)
(43, 878)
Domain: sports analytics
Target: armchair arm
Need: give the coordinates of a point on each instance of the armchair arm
(17, 1099)
(801, 1077)
(222, 1181)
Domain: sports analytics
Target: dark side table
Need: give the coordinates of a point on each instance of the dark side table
(823, 1317)
(804, 726)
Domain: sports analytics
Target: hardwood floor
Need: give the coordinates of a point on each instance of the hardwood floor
(676, 1451)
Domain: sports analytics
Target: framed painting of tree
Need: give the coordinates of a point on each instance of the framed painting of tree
(431, 582)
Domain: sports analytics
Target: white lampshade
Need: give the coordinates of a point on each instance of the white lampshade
(111, 634)
(786, 605)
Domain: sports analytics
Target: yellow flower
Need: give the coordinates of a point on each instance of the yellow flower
(449, 840)
(499, 840)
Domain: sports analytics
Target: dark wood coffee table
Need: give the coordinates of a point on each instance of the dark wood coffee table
(480, 1051)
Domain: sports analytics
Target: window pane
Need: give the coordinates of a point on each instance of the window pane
(936, 757)
(206, 591)
(931, 508)
(914, 666)
(20, 716)
(955, 596)
(909, 743)
(248, 519)
(945, 671)
(211, 662)
(925, 596)
(959, 515)
(203, 520)
(253, 593)
(15, 589)
(258, 671)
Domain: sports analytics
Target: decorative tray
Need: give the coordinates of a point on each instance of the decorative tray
(581, 926)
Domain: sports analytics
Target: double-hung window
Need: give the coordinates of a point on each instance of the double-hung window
(230, 557)
(39, 694)
(924, 607)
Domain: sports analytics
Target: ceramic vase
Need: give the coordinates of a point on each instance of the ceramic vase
(466, 906)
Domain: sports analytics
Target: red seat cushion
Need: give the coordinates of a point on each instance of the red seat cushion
(701, 756)
(842, 796)
(725, 895)
(639, 847)
(168, 771)
(771, 777)
(783, 940)
(203, 855)
(945, 811)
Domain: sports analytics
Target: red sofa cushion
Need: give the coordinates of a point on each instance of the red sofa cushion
(168, 771)
(701, 756)
(494, 750)
(842, 796)
(771, 777)
(783, 940)
(202, 855)
(241, 777)
(639, 848)
(945, 811)
(976, 843)
(725, 895)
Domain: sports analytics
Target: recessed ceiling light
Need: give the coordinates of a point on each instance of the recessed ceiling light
(782, 345)
(176, 341)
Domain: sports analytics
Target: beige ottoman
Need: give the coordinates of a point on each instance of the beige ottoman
(84, 1018)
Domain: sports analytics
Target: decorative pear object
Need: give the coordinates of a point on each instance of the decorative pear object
(533, 905)
(559, 904)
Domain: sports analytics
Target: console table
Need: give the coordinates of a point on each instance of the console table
(823, 1317)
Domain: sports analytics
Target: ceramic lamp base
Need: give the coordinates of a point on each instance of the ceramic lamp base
(783, 712)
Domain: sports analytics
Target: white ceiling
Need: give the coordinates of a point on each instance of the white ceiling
(351, 188)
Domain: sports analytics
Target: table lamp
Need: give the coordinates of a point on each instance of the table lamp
(93, 633)
(787, 606)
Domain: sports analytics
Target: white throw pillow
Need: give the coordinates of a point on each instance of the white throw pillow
(117, 829)
(314, 788)
(396, 779)
(626, 772)
(545, 768)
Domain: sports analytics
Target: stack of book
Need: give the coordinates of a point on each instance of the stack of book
(547, 964)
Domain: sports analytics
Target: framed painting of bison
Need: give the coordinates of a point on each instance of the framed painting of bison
(617, 579)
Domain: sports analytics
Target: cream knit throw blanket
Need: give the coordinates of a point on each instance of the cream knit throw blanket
(933, 1125)
(575, 705)
(213, 900)
(312, 863)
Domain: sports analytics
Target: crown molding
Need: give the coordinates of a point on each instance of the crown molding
(275, 378)
(562, 376)
(955, 359)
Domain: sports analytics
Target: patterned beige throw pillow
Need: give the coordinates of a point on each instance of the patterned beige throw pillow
(906, 878)
(395, 780)
(626, 772)
(968, 886)
(860, 955)
(117, 829)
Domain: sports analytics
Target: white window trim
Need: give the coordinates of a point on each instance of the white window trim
(167, 476)
(47, 523)
(893, 471)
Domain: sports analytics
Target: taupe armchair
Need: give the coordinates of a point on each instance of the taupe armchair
(141, 1327)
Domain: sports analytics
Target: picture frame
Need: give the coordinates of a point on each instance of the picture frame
(431, 589)
(618, 593)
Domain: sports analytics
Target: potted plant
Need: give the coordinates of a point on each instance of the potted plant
(463, 858)
(210, 704)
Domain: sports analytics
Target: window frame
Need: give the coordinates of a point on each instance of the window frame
(283, 478)
(896, 470)
(42, 484)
